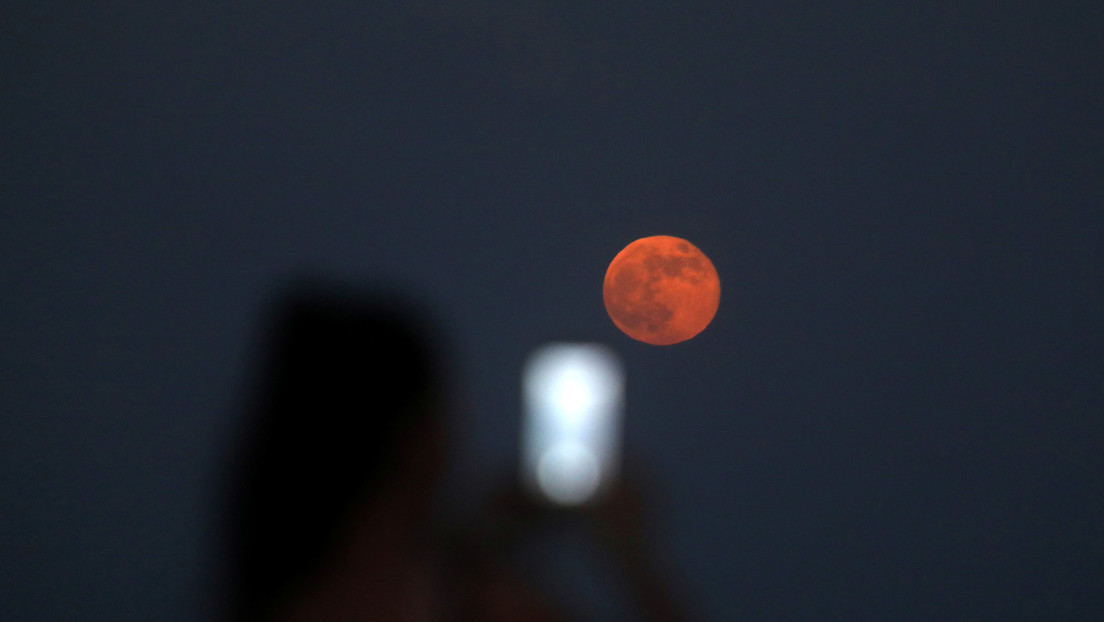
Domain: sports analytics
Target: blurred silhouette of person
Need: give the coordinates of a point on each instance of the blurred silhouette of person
(331, 515)
(344, 449)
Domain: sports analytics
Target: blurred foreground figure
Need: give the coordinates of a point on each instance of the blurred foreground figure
(331, 515)
(340, 465)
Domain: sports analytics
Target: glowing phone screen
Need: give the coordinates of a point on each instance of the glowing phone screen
(573, 396)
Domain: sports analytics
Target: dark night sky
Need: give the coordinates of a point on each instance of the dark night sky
(898, 412)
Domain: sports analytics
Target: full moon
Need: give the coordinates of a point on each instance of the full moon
(661, 290)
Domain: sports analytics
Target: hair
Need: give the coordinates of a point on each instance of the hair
(345, 376)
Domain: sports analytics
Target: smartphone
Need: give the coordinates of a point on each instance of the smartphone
(573, 397)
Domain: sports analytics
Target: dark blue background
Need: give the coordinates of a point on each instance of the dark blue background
(898, 412)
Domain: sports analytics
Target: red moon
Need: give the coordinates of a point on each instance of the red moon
(661, 290)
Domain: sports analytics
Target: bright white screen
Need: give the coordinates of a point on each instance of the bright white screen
(573, 395)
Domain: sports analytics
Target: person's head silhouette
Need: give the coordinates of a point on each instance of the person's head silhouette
(341, 460)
